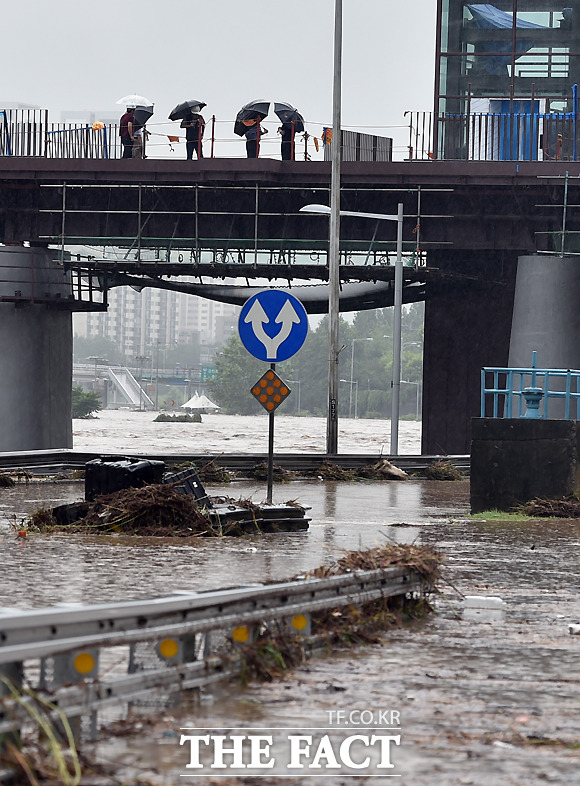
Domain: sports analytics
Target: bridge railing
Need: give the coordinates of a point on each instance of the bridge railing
(488, 136)
(527, 392)
(29, 133)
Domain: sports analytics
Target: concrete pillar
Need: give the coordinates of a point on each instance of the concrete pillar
(468, 315)
(35, 351)
(546, 316)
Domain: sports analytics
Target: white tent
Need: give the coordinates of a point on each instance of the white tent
(200, 402)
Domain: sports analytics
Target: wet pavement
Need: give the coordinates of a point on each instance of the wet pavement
(494, 703)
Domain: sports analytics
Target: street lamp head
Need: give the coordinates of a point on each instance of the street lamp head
(325, 211)
(319, 209)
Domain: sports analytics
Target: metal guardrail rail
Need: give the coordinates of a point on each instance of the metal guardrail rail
(50, 462)
(186, 618)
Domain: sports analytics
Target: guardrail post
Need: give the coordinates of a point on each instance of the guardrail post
(11, 675)
(73, 667)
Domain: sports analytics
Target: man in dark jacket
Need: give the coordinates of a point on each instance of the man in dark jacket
(127, 131)
(194, 127)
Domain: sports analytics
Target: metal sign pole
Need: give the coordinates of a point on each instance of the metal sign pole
(334, 244)
(270, 451)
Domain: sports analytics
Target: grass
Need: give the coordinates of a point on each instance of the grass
(501, 515)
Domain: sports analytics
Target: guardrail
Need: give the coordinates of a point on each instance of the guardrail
(505, 392)
(71, 642)
(52, 462)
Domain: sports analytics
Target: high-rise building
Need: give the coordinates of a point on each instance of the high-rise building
(139, 321)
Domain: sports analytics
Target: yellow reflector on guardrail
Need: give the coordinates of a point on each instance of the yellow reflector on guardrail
(84, 663)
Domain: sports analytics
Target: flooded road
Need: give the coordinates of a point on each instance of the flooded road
(489, 704)
(63, 568)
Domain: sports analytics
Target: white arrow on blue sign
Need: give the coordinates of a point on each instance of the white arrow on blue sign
(273, 325)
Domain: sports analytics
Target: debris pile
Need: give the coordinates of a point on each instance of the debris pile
(280, 475)
(277, 648)
(163, 417)
(442, 470)
(380, 470)
(564, 508)
(163, 510)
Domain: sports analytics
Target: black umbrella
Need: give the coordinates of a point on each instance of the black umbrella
(181, 111)
(260, 107)
(288, 114)
(255, 110)
(142, 114)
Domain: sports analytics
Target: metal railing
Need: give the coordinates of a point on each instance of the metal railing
(504, 391)
(481, 136)
(29, 133)
(70, 642)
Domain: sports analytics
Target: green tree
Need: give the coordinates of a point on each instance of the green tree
(237, 372)
(84, 404)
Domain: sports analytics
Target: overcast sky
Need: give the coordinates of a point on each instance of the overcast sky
(66, 55)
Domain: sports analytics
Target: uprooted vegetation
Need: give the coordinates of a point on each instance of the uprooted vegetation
(379, 470)
(279, 474)
(441, 470)
(278, 648)
(564, 508)
(163, 510)
(154, 510)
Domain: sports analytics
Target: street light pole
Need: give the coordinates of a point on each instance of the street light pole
(334, 241)
(141, 359)
(352, 373)
(417, 385)
(397, 337)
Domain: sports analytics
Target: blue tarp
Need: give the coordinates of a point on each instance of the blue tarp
(488, 17)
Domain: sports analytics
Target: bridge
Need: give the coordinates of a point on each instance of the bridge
(466, 224)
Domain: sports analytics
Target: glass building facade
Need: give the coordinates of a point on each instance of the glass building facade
(511, 58)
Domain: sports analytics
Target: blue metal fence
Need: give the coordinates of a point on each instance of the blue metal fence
(505, 391)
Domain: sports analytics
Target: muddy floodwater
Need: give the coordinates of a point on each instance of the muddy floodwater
(487, 703)
(126, 430)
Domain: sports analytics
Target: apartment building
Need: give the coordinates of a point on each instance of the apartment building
(139, 321)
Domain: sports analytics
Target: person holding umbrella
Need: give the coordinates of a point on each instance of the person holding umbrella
(292, 124)
(140, 134)
(128, 124)
(248, 122)
(287, 132)
(193, 122)
(127, 131)
(194, 125)
(253, 134)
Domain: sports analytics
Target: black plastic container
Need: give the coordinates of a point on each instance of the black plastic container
(105, 475)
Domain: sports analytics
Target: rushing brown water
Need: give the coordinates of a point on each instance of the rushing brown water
(137, 432)
(488, 704)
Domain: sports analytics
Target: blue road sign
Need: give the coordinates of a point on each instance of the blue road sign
(273, 325)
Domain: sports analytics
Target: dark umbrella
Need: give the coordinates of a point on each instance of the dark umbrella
(288, 114)
(255, 110)
(181, 111)
(142, 114)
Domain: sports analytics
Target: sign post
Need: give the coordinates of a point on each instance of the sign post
(272, 327)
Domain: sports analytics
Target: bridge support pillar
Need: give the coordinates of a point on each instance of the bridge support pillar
(467, 327)
(546, 316)
(35, 351)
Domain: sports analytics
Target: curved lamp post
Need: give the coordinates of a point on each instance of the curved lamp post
(398, 305)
